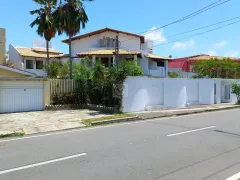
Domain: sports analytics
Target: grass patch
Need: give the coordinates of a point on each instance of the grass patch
(16, 134)
(88, 122)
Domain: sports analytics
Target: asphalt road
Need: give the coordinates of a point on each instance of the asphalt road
(195, 147)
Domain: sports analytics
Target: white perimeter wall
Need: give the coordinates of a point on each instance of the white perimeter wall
(142, 92)
(192, 88)
(206, 89)
(174, 93)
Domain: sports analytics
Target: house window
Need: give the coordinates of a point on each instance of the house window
(39, 64)
(160, 64)
(29, 64)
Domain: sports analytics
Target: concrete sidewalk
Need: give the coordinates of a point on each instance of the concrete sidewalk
(184, 111)
(45, 121)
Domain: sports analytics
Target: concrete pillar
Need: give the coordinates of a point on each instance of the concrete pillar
(114, 60)
(166, 68)
(2, 46)
(47, 99)
(109, 61)
(136, 59)
(93, 60)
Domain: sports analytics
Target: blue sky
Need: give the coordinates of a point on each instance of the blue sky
(138, 16)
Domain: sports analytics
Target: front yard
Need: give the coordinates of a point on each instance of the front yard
(45, 121)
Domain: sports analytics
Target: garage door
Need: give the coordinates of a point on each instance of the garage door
(21, 96)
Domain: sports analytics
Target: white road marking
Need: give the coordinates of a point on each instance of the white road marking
(42, 163)
(176, 134)
(234, 177)
(100, 127)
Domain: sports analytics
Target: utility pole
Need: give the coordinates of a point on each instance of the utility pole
(117, 50)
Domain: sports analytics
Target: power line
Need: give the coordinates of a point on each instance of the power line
(196, 29)
(190, 15)
(199, 33)
(206, 8)
(203, 27)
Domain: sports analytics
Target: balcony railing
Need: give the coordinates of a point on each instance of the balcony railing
(158, 72)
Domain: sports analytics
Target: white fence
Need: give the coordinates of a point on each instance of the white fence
(158, 72)
(58, 86)
(142, 92)
(182, 74)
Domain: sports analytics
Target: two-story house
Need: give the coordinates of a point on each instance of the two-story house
(100, 45)
(33, 59)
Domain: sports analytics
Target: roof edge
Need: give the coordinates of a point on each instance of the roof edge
(101, 31)
(17, 70)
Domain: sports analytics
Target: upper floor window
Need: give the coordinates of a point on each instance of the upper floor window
(107, 42)
(29, 64)
(39, 64)
(160, 64)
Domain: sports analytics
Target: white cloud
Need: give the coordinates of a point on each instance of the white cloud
(183, 45)
(220, 44)
(211, 53)
(156, 36)
(232, 54)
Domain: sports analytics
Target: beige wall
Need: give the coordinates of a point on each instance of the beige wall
(47, 99)
(6, 73)
(2, 45)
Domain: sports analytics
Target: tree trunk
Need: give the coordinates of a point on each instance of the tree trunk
(47, 46)
(70, 56)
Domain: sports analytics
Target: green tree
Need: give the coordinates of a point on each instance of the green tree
(98, 72)
(44, 21)
(128, 68)
(217, 68)
(70, 17)
(236, 90)
(58, 70)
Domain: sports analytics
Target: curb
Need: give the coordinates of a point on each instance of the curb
(134, 118)
(12, 134)
(191, 112)
(137, 118)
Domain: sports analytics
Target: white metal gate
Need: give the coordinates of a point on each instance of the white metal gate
(20, 96)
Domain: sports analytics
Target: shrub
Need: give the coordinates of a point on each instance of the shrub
(100, 85)
(236, 90)
(173, 75)
(67, 98)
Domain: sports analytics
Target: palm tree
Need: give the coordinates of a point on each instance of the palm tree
(44, 21)
(70, 17)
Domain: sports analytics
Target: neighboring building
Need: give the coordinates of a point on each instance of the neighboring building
(33, 59)
(184, 66)
(100, 45)
(2, 45)
(12, 72)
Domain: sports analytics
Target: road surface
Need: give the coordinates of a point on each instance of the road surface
(195, 147)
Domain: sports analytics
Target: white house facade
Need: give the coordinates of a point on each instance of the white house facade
(33, 59)
(100, 45)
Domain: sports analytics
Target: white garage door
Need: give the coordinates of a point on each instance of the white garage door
(21, 96)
